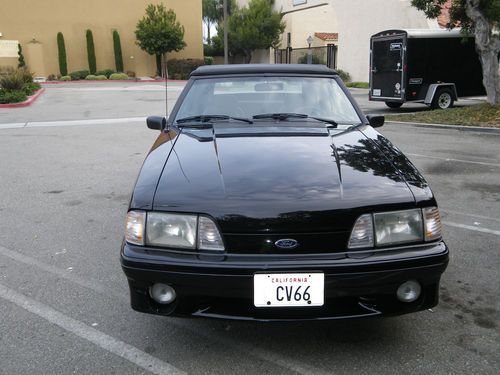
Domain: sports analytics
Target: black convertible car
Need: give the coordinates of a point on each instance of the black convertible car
(268, 195)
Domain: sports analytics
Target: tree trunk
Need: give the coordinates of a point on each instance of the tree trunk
(158, 65)
(488, 47)
(209, 40)
(248, 56)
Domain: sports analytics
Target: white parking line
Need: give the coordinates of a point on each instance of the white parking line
(106, 342)
(104, 121)
(446, 211)
(457, 160)
(471, 227)
(265, 355)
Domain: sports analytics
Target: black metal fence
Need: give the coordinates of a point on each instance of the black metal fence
(320, 55)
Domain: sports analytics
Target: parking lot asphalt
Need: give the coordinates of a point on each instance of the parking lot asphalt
(64, 299)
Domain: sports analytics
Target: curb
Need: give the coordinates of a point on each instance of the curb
(26, 103)
(447, 126)
(83, 81)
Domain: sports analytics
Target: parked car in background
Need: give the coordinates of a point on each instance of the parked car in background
(434, 67)
(269, 195)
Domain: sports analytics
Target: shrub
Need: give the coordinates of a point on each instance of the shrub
(130, 73)
(51, 77)
(6, 70)
(182, 68)
(79, 74)
(14, 96)
(105, 72)
(65, 78)
(25, 75)
(118, 76)
(117, 47)
(100, 77)
(91, 77)
(360, 85)
(20, 60)
(61, 48)
(91, 52)
(209, 60)
(31, 88)
(12, 82)
(344, 76)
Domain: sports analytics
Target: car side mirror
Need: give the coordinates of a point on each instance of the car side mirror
(376, 121)
(156, 122)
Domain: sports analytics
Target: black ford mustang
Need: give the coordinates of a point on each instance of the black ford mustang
(268, 195)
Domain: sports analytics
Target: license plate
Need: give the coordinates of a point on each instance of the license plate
(288, 289)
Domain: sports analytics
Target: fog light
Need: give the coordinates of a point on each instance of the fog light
(409, 291)
(162, 293)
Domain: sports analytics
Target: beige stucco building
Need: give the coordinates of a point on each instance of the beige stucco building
(35, 24)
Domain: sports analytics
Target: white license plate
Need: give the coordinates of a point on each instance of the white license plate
(376, 92)
(288, 289)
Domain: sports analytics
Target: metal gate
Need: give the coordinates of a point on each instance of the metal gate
(326, 55)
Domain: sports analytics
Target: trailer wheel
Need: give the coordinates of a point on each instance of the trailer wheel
(393, 104)
(443, 99)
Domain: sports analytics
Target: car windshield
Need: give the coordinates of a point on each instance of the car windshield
(246, 97)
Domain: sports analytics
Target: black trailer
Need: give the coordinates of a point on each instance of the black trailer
(434, 67)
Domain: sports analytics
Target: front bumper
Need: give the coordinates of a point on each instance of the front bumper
(356, 284)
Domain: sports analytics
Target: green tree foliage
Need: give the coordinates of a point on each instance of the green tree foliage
(257, 26)
(481, 18)
(91, 52)
(210, 15)
(117, 47)
(159, 32)
(20, 60)
(61, 48)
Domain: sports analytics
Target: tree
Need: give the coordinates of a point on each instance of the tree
(117, 47)
(159, 33)
(91, 52)
(61, 49)
(481, 18)
(20, 60)
(257, 26)
(210, 15)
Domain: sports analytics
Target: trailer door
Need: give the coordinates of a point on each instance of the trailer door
(386, 71)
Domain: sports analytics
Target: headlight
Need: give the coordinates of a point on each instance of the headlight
(181, 231)
(390, 228)
(398, 227)
(171, 230)
(134, 227)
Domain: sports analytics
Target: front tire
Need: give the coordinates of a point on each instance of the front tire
(393, 104)
(443, 99)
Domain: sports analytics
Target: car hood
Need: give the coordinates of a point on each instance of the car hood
(265, 179)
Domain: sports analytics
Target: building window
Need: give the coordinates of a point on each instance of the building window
(299, 2)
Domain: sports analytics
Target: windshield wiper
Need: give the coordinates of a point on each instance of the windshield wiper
(284, 116)
(207, 118)
(279, 116)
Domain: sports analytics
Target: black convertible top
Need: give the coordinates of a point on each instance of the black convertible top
(213, 70)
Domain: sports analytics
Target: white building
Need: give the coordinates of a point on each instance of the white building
(345, 23)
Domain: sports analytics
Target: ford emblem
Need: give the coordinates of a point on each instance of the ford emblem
(286, 243)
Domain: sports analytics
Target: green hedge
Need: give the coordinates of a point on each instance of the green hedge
(79, 74)
(14, 96)
(118, 76)
(359, 85)
(61, 48)
(105, 72)
(31, 88)
(65, 78)
(344, 76)
(117, 47)
(91, 52)
(182, 68)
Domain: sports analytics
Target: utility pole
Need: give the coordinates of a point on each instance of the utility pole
(226, 54)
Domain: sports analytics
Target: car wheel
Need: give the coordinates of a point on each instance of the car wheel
(393, 104)
(443, 99)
